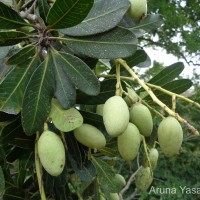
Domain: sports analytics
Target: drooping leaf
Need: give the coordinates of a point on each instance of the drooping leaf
(2, 182)
(107, 90)
(78, 72)
(103, 16)
(105, 175)
(116, 43)
(168, 74)
(65, 120)
(21, 55)
(9, 19)
(37, 98)
(8, 38)
(14, 85)
(65, 90)
(64, 13)
(43, 8)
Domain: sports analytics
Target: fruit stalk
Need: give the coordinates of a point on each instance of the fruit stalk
(135, 78)
(118, 84)
(38, 167)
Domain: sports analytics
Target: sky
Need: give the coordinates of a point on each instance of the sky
(168, 59)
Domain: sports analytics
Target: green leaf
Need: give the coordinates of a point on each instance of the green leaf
(43, 8)
(65, 13)
(9, 19)
(14, 85)
(2, 182)
(116, 43)
(107, 90)
(100, 18)
(65, 120)
(22, 54)
(8, 38)
(4, 51)
(37, 98)
(14, 193)
(105, 175)
(110, 149)
(168, 74)
(77, 71)
(65, 90)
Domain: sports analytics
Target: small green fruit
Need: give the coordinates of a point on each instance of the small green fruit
(138, 9)
(153, 158)
(99, 109)
(119, 180)
(51, 152)
(114, 196)
(115, 116)
(143, 179)
(90, 136)
(129, 142)
(170, 136)
(141, 117)
(133, 95)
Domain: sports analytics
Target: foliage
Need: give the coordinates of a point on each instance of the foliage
(58, 61)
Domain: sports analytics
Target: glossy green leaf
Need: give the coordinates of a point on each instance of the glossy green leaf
(107, 90)
(2, 182)
(77, 71)
(37, 98)
(105, 175)
(65, 91)
(9, 19)
(65, 120)
(21, 55)
(103, 16)
(65, 13)
(43, 8)
(116, 43)
(168, 74)
(14, 85)
(4, 51)
(8, 38)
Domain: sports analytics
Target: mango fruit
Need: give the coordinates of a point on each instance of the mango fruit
(133, 95)
(119, 180)
(153, 158)
(114, 196)
(115, 116)
(90, 136)
(99, 109)
(143, 179)
(141, 117)
(138, 9)
(129, 142)
(51, 152)
(170, 136)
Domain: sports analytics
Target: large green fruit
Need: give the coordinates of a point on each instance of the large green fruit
(119, 180)
(51, 152)
(141, 117)
(133, 95)
(170, 136)
(114, 196)
(115, 115)
(153, 158)
(90, 136)
(143, 179)
(138, 9)
(129, 142)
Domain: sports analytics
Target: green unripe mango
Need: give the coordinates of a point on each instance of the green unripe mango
(143, 179)
(170, 136)
(51, 152)
(153, 158)
(102, 198)
(114, 196)
(141, 117)
(138, 9)
(129, 142)
(115, 116)
(119, 180)
(133, 95)
(90, 136)
(99, 109)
